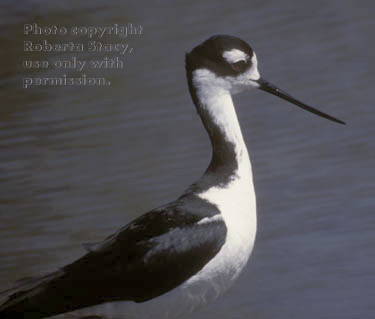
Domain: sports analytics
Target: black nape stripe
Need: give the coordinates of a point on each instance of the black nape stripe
(224, 161)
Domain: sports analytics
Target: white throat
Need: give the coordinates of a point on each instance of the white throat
(214, 96)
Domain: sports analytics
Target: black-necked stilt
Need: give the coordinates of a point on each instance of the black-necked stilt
(180, 256)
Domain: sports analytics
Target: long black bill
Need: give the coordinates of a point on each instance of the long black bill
(270, 88)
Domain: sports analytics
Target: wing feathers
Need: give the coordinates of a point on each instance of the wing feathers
(146, 258)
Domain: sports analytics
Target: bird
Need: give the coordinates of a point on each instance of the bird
(178, 257)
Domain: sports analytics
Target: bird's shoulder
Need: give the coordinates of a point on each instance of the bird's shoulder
(184, 213)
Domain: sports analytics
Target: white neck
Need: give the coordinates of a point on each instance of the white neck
(219, 115)
(219, 105)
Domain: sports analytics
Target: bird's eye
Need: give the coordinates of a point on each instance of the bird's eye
(239, 66)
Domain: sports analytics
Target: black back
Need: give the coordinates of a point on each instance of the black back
(130, 265)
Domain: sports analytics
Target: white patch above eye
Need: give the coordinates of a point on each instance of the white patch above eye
(235, 55)
(212, 86)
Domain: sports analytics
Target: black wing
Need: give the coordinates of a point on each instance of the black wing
(150, 256)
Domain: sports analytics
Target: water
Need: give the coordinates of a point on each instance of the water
(77, 163)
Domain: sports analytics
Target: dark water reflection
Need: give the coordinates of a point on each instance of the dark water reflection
(76, 163)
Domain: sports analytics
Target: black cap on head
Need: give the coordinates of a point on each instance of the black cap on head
(209, 55)
(225, 56)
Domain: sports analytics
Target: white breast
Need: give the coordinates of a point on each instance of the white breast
(237, 205)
